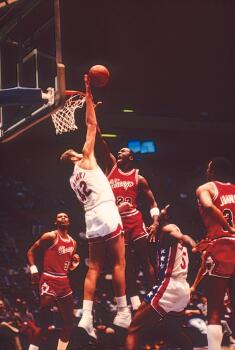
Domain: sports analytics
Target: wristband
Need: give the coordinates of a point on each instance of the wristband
(154, 211)
(33, 269)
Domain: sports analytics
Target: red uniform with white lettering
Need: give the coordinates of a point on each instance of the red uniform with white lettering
(57, 259)
(219, 259)
(125, 188)
(224, 200)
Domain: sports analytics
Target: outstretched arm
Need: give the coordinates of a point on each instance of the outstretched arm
(154, 211)
(175, 232)
(109, 158)
(91, 122)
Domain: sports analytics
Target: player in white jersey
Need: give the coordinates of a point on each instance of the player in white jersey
(103, 223)
(171, 293)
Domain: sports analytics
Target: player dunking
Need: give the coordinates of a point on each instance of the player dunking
(59, 257)
(171, 293)
(127, 184)
(103, 223)
(217, 207)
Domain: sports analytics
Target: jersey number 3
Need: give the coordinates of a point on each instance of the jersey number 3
(228, 215)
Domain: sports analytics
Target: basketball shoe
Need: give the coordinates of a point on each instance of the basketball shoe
(123, 318)
(87, 324)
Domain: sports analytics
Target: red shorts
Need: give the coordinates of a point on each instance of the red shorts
(58, 286)
(219, 257)
(134, 227)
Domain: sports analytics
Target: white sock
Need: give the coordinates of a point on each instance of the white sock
(62, 345)
(33, 347)
(214, 336)
(121, 303)
(87, 308)
(135, 302)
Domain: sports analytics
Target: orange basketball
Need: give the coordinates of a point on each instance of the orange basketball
(99, 75)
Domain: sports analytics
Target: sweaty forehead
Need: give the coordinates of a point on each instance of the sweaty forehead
(61, 215)
(124, 149)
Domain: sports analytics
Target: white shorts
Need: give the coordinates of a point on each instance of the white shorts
(102, 220)
(170, 295)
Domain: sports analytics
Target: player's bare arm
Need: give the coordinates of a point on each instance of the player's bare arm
(205, 194)
(175, 232)
(143, 187)
(75, 259)
(91, 122)
(109, 158)
(198, 278)
(42, 243)
(71, 155)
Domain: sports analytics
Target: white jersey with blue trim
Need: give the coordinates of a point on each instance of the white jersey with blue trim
(91, 187)
(169, 257)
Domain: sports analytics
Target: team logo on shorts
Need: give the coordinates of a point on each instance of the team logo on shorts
(44, 288)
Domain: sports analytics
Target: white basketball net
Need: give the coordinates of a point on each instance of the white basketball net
(63, 118)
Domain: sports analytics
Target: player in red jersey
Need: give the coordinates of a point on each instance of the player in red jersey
(59, 257)
(217, 207)
(127, 184)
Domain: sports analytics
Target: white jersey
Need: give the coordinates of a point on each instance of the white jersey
(172, 258)
(171, 291)
(94, 192)
(92, 187)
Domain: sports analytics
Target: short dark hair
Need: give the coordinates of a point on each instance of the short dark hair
(132, 154)
(221, 167)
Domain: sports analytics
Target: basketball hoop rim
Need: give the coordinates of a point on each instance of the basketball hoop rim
(74, 92)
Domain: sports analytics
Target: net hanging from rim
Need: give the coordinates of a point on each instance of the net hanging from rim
(64, 118)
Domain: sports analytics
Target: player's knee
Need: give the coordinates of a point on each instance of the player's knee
(94, 271)
(120, 265)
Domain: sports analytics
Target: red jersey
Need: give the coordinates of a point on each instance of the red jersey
(124, 186)
(57, 257)
(224, 200)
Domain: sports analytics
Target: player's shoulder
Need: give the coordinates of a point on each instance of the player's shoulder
(49, 236)
(141, 179)
(72, 239)
(208, 186)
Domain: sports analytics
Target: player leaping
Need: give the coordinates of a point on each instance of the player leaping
(103, 223)
(127, 184)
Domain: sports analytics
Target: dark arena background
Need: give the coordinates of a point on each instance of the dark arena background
(170, 96)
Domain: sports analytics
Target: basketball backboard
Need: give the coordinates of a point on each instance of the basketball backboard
(30, 57)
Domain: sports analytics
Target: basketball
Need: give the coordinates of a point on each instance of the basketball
(99, 75)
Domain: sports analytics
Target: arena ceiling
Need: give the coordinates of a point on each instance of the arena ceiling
(173, 58)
